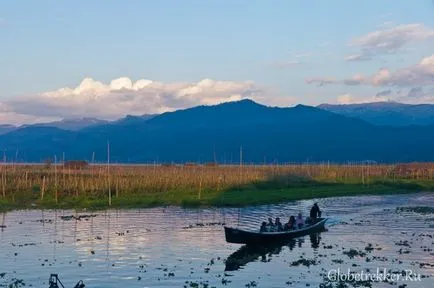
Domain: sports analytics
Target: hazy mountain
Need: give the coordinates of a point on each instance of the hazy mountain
(386, 113)
(72, 124)
(269, 134)
(134, 118)
(5, 128)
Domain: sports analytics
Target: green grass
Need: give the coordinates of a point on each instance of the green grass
(244, 195)
(257, 197)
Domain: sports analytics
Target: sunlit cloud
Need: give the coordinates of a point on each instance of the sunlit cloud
(421, 74)
(122, 96)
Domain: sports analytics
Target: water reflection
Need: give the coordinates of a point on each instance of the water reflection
(170, 247)
(251, 253)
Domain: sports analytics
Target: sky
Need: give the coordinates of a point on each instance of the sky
(107, 58)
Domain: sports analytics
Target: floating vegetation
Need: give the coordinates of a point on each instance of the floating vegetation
(307, 260)
(402, 243)
(304, 262)
(353, 253)
(204, 225)
(201, 284)
(46, 221)
(416, 209)
(23, 245)
(79, 217)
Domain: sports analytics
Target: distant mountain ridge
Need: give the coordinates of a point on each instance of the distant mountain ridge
(75, 124)
(386, 113)
(207, 133)
(72, 124)
(6, 128)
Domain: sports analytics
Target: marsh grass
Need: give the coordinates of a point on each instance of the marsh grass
(198, 185)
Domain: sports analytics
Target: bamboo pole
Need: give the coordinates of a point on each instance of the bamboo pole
(4, 175)
(55, 178)
(63, 170)
(200, 185)
(43, 188)
(108, 173)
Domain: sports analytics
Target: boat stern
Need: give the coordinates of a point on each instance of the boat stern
(234, 235)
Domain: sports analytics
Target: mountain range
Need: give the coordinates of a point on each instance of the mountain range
(219, 133)
(74, 124)
(386, 113)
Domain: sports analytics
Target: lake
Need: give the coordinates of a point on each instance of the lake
(175, 247)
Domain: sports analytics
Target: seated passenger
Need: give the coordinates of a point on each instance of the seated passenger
(278, 225)
(291, 223)
(308, 221)
(299, 221)
(270, 225)
(263, 227)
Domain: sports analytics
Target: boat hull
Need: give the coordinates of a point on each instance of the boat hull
(238, 236)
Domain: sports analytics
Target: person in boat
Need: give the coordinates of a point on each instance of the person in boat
(263, 227)
(299, 222)
(278, 225)
(291, 223)
(308, 221)
(270, 225)
(315, 213)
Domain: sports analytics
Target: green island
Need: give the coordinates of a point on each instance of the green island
(192, 185)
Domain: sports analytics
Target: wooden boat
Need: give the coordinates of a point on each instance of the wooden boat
(239, 236)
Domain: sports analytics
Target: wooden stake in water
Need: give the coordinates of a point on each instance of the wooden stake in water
(241, 164)
(43, 188)
(55, 178)
(200, 184)
(108, 173)
(4, 175)
(63, 170)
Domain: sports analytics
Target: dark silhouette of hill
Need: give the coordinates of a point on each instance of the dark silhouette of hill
(208, 133)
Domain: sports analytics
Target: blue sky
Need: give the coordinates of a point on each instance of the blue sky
(285, 48)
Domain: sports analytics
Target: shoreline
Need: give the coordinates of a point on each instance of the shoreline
(237, 197)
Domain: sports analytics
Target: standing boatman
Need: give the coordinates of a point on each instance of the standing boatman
(315, 213)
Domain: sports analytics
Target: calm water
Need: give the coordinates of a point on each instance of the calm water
(174, 247)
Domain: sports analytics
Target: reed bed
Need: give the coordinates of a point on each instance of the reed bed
(175, 183)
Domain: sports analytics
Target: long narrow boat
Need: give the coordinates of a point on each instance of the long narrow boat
(239, 236)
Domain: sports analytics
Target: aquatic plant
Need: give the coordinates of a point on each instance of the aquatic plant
(66, 186)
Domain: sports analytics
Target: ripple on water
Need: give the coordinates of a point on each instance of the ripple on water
(170, 247)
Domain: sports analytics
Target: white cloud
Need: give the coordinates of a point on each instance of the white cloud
(421, 74)
(357, 57)
(391, 40)
(355, 80)
(321, 81)
(123, 96)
